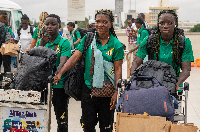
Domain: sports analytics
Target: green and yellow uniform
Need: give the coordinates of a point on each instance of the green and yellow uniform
(112, 51)
(64, 49)
(78, 35)
(166, 52)
(142, 33)
(35, 35)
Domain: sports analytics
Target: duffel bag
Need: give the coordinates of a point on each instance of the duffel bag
(156, 101)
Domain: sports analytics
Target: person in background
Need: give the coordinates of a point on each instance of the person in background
(24, 33)
(131, 40)
(87, 26)
(61, 32)
(142, 33)
(166, 45)
(74, 40)
(133, 27)
(142, 16)
(111, 53)
(8, 32)
(62, 46)
(36, 35)
(91, 23)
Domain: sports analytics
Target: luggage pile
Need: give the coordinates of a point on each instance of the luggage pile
(36, 66)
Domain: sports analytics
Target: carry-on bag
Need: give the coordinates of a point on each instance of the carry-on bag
(156, 101)
(36, 65)
(75, 76)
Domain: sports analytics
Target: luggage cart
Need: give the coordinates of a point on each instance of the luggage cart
(22, 110)
(180, 113)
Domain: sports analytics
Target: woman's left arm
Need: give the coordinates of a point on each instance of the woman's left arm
(63, 60)
(118, 75)
(186, 68)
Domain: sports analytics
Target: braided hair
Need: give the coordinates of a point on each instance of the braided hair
(41, 25)
(110, 14)
(176, 36)
(139, 20)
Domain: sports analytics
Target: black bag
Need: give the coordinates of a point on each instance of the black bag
(75, 76)
(83, 31)
(36, 66)
(2, 33)
(162, 71)
(8, 35)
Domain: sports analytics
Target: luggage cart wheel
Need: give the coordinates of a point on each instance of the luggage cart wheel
(186, 86)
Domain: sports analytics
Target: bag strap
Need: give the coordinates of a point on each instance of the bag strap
(145, 78)
(31, 30)
(88, 41)
(181, 48)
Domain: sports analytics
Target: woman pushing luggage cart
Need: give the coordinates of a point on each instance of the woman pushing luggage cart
(168, 45)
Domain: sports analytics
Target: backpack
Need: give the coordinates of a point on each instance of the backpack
(35, 68)
(75, 76)
(150, 30)
(19, 29)
(83, 31)
(2, 33)
(8, 35)
(162, 71)
(151, 41)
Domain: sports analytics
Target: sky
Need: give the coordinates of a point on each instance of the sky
(189, 10)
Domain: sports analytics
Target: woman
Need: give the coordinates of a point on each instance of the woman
(166, 45)
(37, 32)
(7, 36)
(53, 40)
(111, 51)
(142, 33)
(73, 39)
(24, 33)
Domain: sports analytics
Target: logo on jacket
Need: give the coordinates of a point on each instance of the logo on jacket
(58, 50)
(109, 53)
(112, 71)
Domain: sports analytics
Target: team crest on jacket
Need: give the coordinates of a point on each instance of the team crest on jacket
(57, 50)
(112, 71)
(109, 53)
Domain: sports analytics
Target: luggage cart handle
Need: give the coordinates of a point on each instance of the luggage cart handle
(50, 79)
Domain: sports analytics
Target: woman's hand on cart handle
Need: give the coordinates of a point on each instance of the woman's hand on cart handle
(56, 78)
(113, 100)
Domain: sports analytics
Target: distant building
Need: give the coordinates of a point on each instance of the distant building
(186, 26)
(162, 5)
(131, 13)
(91, 16)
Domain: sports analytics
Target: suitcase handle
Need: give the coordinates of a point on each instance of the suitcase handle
(154, 81)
